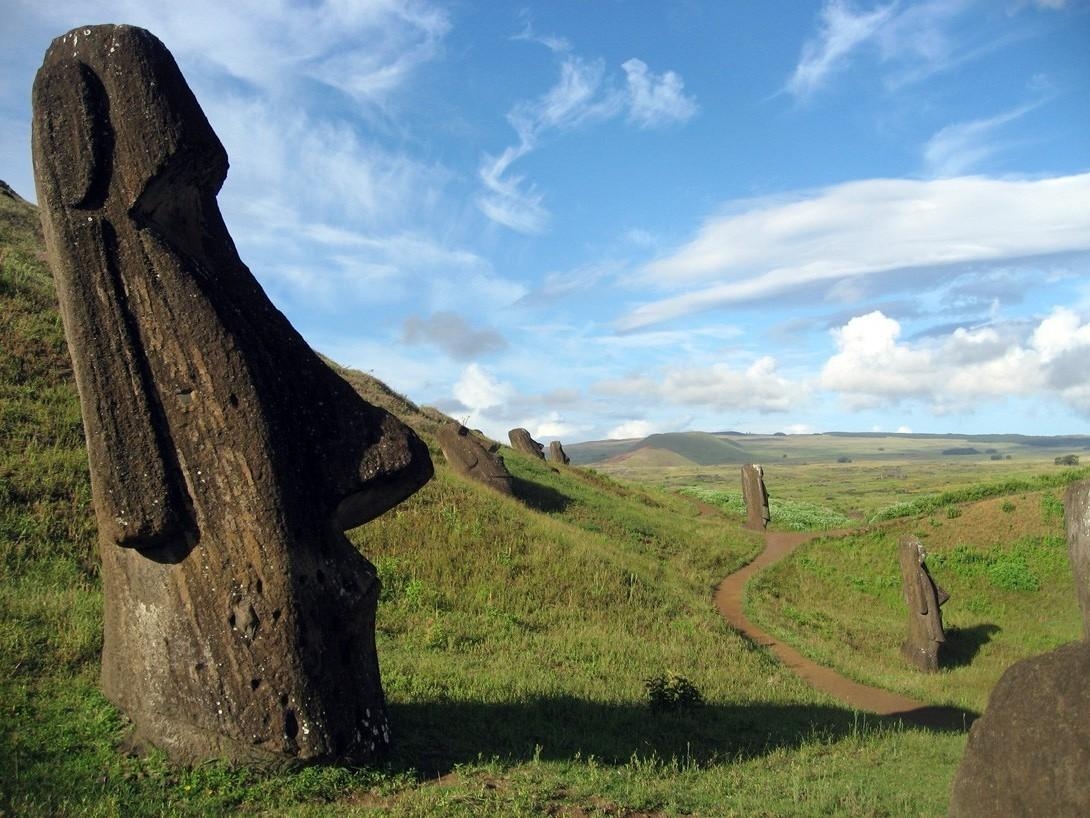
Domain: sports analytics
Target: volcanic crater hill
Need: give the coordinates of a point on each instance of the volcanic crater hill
(666, 449)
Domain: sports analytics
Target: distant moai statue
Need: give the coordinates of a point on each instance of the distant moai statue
(522, 442)
(1028, 756)
(467, 454)
(755, 496)
(226, 458)
(557, 454)
(924, 599)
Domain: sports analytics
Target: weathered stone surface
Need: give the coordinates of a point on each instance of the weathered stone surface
(755, 496)
(924, 599)
(468, 455)
(522, 442)
(1028, 756)
(1077, 517)
(226, 458)
(557, 453)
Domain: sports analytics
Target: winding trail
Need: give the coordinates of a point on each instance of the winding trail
(728, 599)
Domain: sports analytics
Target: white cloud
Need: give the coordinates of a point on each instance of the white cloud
(863, 228)
(759, 387)
(957, 148)
(655, 100)
(842, 31)
(478, 390)
(582, 95)
(873, 367)
(904, 430)
(631, 429)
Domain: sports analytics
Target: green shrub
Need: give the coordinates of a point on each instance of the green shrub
(1010, 572)
(670, 692)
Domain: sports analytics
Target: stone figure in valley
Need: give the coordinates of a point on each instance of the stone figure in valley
(924, 599)
(1029, 754)
(557, 454)
(468, 454)
(755, 496)
(522, 442)
(226, 458)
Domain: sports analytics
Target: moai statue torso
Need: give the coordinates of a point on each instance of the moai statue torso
(755, 496)
(226, 459)
(924, 599)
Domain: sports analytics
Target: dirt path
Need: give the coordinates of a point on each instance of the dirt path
(728, 599)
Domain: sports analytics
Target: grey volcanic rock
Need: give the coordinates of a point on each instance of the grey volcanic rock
(755, 496)
(1029, 754)
(522, 442)
(468, 455)
(924, 599)
(226, 459)
(557, 454)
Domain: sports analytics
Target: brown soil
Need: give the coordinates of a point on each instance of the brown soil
(728, 599)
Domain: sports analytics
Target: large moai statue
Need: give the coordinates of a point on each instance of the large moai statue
(755, 496)
(521, 441)
(226, 459)
(924, 599)
(468, 455)
(1029, 754)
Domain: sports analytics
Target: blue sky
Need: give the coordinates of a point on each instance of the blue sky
(607, 218)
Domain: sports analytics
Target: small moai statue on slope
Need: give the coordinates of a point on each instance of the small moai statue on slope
(1028, 756)
(521, 441)
(924, 599)
(226, 458)
(755, 496)
(557, 454)
(466, 453)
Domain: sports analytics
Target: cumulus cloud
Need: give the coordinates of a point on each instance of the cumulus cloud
(758, 387)
(862, 229)
(631, 429)
(478, 390)
(874, 367)
(453, 334)
(655, 100)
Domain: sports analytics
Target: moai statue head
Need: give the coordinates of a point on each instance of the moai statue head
(924, 599)
(522, 441)
(467, 455)
(226, 458)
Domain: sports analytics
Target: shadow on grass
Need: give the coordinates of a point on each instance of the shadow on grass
(963, 644)
(539, 497)
(432, 738)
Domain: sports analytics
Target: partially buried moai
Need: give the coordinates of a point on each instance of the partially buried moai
(226, 459)
(924, 598)
(755, 496)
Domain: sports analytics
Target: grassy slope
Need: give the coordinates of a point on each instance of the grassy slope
(1003, 561)
(514, 638)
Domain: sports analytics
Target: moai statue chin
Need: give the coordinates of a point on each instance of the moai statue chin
(226, 459)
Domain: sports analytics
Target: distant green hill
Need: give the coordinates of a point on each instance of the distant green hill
(666, 449)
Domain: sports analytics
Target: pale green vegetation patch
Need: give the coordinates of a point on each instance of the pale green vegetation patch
(790, 515)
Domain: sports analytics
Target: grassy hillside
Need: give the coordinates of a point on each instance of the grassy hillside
(516, 638)
(1003, 561)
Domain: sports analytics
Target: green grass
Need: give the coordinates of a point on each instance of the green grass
(516, 637)
(789, 515)
(1012, 596)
